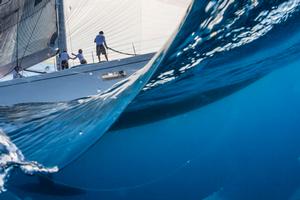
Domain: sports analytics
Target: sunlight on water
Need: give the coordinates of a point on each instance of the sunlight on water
(227, 33)
(212, 52)
(215, 196)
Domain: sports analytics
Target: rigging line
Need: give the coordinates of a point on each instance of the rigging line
(81, 26)
(34, 28)
(120, 52)
(75, 7)
(117, 22)
(159, 19)
(26, 17)
(17, 49)
(34, 71)
(112, 12)
(69, 33)
(6, 2)
(114, 9)
(126, 45)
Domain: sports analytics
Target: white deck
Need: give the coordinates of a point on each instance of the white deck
(83, 81)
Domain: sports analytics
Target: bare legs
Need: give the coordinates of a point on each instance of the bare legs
(101, 51)
(106, 57)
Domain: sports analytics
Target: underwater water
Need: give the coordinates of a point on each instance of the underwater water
(215, 115)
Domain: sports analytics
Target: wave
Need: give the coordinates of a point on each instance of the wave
(220, 47)
(11, 157)
(55, 134)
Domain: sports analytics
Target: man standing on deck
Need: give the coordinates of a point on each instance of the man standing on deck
(64, 59)
(101, 45)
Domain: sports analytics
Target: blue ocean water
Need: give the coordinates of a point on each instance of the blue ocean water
(214, 116)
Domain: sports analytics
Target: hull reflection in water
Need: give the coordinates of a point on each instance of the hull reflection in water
(222, 151)
(55, 134)
(181, 135)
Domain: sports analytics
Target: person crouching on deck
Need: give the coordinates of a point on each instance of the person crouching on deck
(101, 45)
(16, 73)
(80, 57)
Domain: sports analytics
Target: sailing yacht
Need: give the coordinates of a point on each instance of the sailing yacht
(31, 31)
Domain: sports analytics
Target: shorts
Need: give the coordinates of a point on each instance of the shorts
(83, 62)
(100, 49)
(64, 64)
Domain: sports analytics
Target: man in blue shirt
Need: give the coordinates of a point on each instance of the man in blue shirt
(101, 45)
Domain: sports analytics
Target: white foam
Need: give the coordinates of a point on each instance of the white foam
(11, 157)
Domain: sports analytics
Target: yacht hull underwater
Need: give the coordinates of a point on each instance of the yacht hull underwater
(207, 153)
(78, 82)
(239, 140)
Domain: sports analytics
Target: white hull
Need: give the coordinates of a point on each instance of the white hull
(83, 81)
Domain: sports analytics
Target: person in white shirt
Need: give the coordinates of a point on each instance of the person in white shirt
(80, 57)
(64, 59)
(16, 73)
(101, 45)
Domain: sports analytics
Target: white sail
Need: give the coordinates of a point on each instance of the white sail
(28, 28)
(131, 26)
(28, 33)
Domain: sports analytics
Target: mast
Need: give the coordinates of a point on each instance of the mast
(61, 25)
(17, 40)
